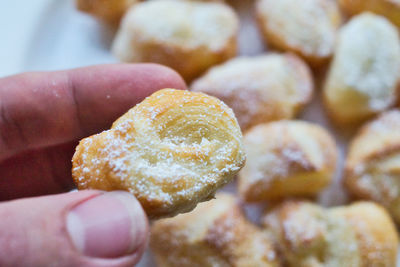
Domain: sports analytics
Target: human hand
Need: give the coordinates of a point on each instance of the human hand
(42, 116)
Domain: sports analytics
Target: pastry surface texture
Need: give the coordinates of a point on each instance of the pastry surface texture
(286, 159)
(364, 75)
(216, 233)
(188, 36)
(171, 151)
(372, 169)
(260, 89)
(306, 27)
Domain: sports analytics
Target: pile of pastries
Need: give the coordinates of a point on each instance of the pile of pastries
(345, 52)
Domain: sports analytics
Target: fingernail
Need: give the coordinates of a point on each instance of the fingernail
(108, 226)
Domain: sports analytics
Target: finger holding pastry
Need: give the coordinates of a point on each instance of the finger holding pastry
(172, 151)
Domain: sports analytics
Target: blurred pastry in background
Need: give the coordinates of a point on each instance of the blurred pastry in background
(171, 151)
(363, 79)
(358, 235)
(388, 8)
(373, 163)
(286, 159)
(306, 27)
(110, 11)
(216, 233)
(306, 234)
(187, 36)
(375, 231)
(260, 89)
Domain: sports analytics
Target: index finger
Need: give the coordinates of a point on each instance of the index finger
(44, 109)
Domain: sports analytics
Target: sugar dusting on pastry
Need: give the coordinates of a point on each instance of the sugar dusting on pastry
(171, 151)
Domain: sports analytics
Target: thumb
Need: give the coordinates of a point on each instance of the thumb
(86, 228)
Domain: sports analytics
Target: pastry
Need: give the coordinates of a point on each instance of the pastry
(286, 158)
(376, 233)
(216, 233)
(109, 11)
(188, 36)
(388, 8)
(359, 235)
(372, 169)
(364, 76)
(260, 89)
(171, 151)
(306, 235)
(306, 27)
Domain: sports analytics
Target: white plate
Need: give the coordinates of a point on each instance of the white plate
(52, 35)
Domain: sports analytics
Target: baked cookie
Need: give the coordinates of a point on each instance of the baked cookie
(216, 233)
(110, 11)
(286, 158)
(359, 235)
(260, 89)
(364, 76)
(306, 27)
(388, 8)
(188, 36)
(373, 163)
(171, 151)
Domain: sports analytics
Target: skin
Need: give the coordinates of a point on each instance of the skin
(42, 118)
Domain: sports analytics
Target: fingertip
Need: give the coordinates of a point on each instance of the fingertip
(167, 77)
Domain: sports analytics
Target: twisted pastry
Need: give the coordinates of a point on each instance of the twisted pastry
(286, 158)
(188, 36)
(358, 235)
(307, 28)
(171, 151)
(216, 233)
(388, 8)
(373, 163)
(260, 89)
(364, 76)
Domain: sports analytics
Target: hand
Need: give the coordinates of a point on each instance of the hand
(42, 116)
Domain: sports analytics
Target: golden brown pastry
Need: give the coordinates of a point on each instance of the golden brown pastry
(376, 234)
(260, 89)
(306, 27)
(171, 151)
(286, 158)
(216, 233)
(364, 76)
(307, 235)
(388, 8)
(188, 36)
(109, 11)
(359, 235)
(373, 164)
